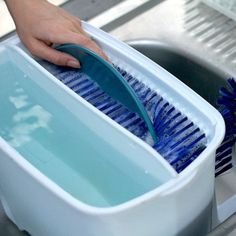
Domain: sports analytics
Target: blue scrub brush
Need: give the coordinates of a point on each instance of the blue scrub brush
(109, 80)
(227, 108)
(180, 141)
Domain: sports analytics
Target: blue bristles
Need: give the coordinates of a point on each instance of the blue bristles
(227, 108)
(180, 141)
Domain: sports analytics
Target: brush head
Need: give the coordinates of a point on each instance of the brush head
(110, 81)
(180, 141)
(227, 106)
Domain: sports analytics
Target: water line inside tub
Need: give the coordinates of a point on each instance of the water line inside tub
(62, 148)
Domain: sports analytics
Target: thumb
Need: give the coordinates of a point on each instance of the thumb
(42, 50)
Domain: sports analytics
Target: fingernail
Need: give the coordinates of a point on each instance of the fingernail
(73, 63)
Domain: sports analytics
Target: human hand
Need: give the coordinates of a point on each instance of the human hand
(40, 25)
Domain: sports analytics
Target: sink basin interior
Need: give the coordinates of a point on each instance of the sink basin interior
(203, 79)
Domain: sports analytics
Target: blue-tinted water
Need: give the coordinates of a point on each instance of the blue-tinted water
(56, 143)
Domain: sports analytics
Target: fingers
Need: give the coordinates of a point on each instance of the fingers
(40, 43)
(80, 38)
(42, 50)
(48, 25)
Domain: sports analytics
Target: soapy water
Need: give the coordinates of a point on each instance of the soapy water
(53, 140)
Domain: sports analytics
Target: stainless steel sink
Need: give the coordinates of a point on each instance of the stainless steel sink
(191, 41)
(202, 78)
